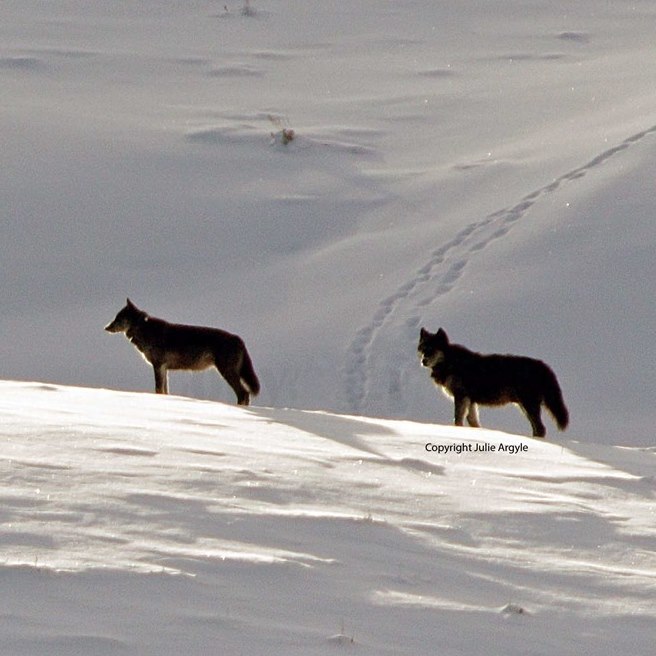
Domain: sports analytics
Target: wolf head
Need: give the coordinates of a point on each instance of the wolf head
(126, 318)
(432, 347)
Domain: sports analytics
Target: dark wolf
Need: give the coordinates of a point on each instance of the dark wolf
(193, 348)
(472, 378)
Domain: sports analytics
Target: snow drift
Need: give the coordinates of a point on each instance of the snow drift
(140, 524)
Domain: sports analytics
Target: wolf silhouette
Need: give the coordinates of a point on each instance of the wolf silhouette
(472, 378)
(170, 346)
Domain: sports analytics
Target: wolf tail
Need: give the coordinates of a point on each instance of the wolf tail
(247, 374)
(553, 400)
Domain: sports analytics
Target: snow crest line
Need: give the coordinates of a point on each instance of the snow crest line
(446, 265)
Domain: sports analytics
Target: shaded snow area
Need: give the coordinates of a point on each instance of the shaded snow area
(139, 524)
(324, 178)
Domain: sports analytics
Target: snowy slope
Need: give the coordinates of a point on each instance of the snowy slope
(139, 524)
(486, 167)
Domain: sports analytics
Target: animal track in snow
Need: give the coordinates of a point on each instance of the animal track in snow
(445, 267)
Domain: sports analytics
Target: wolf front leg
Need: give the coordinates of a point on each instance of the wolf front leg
(472, 416)
(461, 409)
(161, 379)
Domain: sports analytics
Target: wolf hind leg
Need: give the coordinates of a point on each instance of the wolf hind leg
(234, 380)
(532, 411)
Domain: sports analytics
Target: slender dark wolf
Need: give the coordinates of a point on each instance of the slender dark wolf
(472, 378)
(193, 348)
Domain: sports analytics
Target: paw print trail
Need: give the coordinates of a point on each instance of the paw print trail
(443, 269)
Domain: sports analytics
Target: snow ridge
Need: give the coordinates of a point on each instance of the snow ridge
(159, 525)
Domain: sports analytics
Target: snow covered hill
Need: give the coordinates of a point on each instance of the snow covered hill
(147, 525)
(485, 167)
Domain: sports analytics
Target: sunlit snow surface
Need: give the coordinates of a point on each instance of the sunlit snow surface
(485, 167)
(140, 524)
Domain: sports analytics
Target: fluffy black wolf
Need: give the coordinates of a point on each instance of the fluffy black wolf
(193, 348)
(473, 378)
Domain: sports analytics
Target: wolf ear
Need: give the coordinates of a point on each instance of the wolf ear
(441, 333)
(423, 333)
(130, 304)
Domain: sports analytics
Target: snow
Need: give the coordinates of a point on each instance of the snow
(487, 168)
(144, 524)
